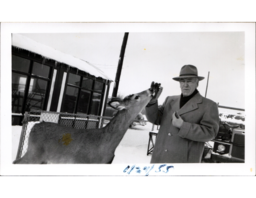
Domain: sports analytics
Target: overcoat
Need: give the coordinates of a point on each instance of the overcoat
(184, 145)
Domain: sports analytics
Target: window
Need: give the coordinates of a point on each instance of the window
(18, 91)
(82, 95)
(30, 84)
(98, 86)
(84, 100)
(41, 70)
(87, 83)
(70, 99)
(74, 79)
(36, 94)
(96, 98)
(20, 64)
(32, 80)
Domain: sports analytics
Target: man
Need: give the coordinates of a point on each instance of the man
(186, 121)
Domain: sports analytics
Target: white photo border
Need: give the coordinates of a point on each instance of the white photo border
(7, 168)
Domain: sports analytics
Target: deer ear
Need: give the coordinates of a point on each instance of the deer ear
(117, 104)
(121, 107)
(114, 104)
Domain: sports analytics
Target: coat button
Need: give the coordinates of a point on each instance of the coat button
(169, 134)
(165, 150)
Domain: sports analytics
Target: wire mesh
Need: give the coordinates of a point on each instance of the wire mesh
(77, 121)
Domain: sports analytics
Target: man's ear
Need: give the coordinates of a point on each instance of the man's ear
(197, 83)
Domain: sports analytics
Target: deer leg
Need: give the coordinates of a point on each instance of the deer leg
(20, 161)
(107, 159)
(35, 156)
(111, 160)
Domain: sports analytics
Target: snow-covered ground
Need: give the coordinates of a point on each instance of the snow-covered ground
(16, 131)
(132, 148)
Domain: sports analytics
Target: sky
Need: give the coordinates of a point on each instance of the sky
(158, 56)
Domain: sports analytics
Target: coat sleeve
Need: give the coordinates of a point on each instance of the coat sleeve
(154, 112)
(206, 130)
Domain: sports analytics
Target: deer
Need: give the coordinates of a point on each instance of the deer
(50, 143)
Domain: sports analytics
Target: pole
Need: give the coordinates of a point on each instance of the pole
(207, 84)
(120, 65)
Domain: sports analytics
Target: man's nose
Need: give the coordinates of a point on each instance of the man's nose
(185, 84)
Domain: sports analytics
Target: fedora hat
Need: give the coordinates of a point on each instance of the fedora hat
(188, 71)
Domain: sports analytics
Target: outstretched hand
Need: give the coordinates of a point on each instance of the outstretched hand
(156, 90)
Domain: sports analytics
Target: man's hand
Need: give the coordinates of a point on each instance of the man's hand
(176, 121)
(157, 90)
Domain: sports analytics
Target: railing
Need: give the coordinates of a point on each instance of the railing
(232, 108)
(77, 121)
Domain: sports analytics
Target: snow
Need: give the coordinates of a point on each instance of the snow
(16, 131)
(26, 43)
(226, 117)
(133, 147)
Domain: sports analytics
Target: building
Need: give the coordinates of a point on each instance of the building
(46, 79)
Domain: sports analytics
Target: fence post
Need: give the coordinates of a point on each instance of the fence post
(22, 135)
(74, 121)
(100, 122)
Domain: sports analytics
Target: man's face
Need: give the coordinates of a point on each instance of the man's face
(188, 86)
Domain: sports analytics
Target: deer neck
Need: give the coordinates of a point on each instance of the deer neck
(120, 122)
(117, 127)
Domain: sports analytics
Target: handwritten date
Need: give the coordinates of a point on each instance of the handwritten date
(147, 169)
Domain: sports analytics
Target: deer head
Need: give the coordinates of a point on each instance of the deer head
(133, 103)
(128, 108)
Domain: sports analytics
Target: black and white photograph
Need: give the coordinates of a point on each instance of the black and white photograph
(149, 99)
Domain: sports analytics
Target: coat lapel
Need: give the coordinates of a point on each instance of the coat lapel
(191, 105)
(175, 104)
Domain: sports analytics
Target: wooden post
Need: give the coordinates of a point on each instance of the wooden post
(120, 65)
(207, 84)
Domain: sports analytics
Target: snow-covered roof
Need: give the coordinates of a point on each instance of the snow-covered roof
(26, 43)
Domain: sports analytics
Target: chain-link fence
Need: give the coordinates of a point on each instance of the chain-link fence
(77, 121)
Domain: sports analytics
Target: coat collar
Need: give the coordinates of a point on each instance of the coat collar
(191, 105)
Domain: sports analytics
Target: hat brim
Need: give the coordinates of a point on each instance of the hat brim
(182, 77)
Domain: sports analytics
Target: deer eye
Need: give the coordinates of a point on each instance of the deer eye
(137, 97)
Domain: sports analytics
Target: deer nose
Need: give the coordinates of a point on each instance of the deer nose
(150, 91)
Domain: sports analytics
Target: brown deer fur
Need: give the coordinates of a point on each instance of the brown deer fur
(52, 143)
